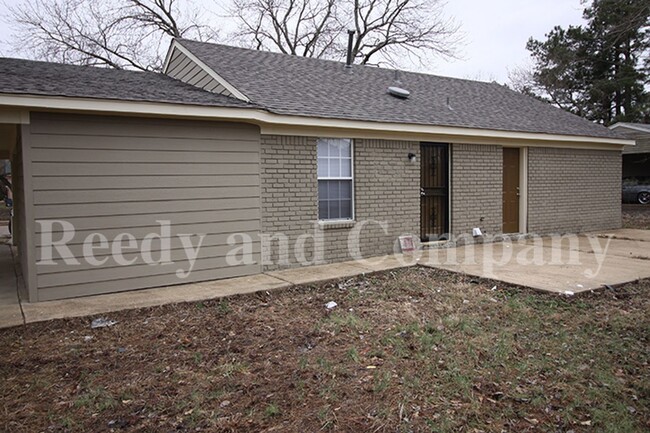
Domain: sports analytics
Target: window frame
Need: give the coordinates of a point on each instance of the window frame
(351, 179)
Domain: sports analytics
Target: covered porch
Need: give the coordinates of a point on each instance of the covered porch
(10, 305)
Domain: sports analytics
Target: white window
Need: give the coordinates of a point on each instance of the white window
(335, 177)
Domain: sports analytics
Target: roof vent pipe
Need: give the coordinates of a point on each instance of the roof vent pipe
(348, 62)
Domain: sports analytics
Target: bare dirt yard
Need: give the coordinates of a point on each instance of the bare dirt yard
(411, 350)
(636, 216)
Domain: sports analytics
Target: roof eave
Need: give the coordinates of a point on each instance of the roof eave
(643, 132)
(278, 123)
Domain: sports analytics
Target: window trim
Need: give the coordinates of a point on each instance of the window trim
(352, 178)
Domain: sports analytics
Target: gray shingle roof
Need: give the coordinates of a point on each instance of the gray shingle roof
(18, 76)
(293, 85)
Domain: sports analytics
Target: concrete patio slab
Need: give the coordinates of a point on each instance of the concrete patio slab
(625, 234)
(635, 249)
(91, 305)
(543, 267)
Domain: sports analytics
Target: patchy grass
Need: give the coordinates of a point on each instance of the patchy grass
(409, 350)
(636, 216)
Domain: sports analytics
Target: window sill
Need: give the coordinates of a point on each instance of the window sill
(336, 224)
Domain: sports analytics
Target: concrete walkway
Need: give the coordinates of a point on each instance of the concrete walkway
(627, 259)
(100, 304)
(10, 314)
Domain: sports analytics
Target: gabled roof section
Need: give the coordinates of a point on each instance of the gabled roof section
(637, 130)
(28, 77)
(182, 65)
(300, 86)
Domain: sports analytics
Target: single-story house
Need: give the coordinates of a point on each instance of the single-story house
(241, 145)
(636, 159)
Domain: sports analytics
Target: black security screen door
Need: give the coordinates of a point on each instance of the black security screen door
(434, 191)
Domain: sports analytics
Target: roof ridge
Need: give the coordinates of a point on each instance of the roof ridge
(633, 123)
(342, 63)
(73, 65)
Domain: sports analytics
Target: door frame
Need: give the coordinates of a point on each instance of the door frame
(523, 188)
(448, 187)
(511, 190)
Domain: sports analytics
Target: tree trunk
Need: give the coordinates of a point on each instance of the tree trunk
(617, 80)
(629, 61)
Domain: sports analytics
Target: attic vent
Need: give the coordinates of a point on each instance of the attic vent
(398, 92)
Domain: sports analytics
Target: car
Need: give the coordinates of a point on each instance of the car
(636, 194)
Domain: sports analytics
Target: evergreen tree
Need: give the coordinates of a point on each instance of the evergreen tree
(600, 71)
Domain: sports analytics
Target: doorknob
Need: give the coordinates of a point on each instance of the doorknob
(422, 191)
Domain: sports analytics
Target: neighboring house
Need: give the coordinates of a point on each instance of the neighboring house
(231, 140)
(636, 159)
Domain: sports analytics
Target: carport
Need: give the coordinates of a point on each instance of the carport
(10, 309)
(10, 282)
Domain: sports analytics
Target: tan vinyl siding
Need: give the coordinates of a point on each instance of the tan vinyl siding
(642, 146)
(122, 175)
(184, 69)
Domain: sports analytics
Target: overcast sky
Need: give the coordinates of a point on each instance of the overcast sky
(495, 33)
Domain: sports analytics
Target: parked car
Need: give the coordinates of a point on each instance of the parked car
(636, 194)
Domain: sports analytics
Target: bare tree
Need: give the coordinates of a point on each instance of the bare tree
(397, 27)
(134, 34)
(521, 79)
(120, 34)
(301, 27)
(479, 75)
(385, 29)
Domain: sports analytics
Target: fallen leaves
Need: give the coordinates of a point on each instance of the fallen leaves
(395, 354)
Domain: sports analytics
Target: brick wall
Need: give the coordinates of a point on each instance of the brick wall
(289, 189)
(386, 189)
(476, 188)
(568, 190)
(571, 190)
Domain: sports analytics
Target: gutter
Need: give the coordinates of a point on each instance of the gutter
(272, 123)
